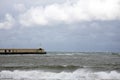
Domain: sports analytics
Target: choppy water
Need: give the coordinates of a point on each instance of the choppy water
(61, 66)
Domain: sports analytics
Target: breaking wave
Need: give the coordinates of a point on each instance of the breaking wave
(43, 67)
(79, 74)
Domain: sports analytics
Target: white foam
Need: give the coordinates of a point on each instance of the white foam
(81, 74)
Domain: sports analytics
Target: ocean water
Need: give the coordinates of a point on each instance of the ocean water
(61, 66)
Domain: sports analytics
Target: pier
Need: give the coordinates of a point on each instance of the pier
(22, 51)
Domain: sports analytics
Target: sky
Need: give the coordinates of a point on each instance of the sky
(61, 25)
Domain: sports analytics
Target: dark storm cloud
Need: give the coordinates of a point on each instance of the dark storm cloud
(89, 36)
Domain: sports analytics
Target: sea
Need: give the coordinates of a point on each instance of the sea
(61, 66)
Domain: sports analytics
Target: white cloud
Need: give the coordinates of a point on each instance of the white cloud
(20, 7)
(81, 10)
(8, 23)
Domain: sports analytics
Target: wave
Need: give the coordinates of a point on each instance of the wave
(117, 54)
(79, 74)
(43, 67)
(58, 68)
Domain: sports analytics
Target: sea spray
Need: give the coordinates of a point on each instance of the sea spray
(80, 74)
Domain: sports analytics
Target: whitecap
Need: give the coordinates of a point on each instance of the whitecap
(80, 74)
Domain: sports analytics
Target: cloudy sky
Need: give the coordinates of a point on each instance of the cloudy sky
(60, 25)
